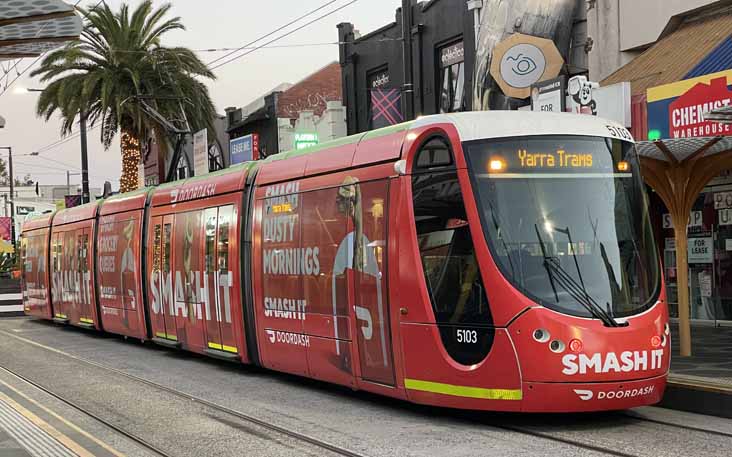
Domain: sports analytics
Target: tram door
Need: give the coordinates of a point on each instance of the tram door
(162, 317)
(369, 282)
(219, 231)
(83, 273)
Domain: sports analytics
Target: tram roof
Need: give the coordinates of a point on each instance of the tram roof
(37, 222)
(129, 201)
(218, 182)
(478, 125)
(77, 213)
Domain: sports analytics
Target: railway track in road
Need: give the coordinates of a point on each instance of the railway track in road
(336, 449)
(223, 409)
(640, 418)
(131, 436)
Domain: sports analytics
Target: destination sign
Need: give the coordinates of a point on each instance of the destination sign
(556, 159)
(575, 158)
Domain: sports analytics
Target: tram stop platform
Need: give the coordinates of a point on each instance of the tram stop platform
(701, 383)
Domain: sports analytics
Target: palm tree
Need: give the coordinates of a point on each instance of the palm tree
(116, 70)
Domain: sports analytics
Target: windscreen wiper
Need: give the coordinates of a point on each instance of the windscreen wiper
(546, 266)
(610, 319)
(578, 292)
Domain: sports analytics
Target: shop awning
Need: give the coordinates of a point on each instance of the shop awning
(675, 56)
(682, 149)
(29, 28)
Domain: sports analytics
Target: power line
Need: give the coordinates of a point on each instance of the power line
(284, 35)
(273, 31)
(277, 46)
(58, 143)
(319, 18)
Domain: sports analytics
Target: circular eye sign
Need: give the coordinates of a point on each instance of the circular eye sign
(522, 60)
(522, 65)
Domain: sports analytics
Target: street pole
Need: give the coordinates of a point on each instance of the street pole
(84, 160)
(12, 198)
(408, 87)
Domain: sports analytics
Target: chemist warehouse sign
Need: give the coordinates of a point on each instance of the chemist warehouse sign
(677, 110)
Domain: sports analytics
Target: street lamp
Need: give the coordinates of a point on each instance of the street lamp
(24, 90)
(12, 192)
(84, 150)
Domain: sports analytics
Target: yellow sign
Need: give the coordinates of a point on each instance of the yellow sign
(522, 60)
(558, 159)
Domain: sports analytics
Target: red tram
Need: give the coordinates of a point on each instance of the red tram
(489, 260)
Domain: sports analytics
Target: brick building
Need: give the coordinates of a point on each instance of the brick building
(290, 115)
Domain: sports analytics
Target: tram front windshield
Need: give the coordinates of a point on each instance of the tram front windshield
(566, 219)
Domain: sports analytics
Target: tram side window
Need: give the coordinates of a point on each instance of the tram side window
(167, 231)
(222, 257)
(434, 153)
(446, 249)
(210, 217)
(156, 248)
(82, 254)
(450, 267)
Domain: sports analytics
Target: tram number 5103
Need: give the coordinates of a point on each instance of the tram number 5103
(467, 336)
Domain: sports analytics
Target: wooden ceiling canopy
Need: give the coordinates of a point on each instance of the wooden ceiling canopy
(29, 28)
(678, 170)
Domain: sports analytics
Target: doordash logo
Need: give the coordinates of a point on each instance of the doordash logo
(586, 395)
(271, 335)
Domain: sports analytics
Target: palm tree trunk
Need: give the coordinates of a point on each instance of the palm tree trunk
(130, 146)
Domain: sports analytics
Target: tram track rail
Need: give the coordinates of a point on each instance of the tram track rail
(325, 445)
(339, 450)
(129, 435)
(640, 418)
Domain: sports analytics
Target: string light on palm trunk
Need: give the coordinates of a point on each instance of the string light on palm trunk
(130, 159)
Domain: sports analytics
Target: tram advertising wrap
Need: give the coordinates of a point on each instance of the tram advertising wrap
(491, 260)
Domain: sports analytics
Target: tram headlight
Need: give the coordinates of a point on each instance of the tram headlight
(557, 346)
(541, 335)
(623, 166)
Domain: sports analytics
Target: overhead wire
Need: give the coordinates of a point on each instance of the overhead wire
(319, 18)
(326, 4)
(277, 46)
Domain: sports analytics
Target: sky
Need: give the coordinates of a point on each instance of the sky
(210, 24)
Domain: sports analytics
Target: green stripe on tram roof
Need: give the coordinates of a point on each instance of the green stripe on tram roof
(340, 142)
(239, 167)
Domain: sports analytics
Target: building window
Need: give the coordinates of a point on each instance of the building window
(384, 100)
(452, 78)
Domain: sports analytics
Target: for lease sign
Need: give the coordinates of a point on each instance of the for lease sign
(701, 250)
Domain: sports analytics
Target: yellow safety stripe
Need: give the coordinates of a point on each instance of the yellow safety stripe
(166, 336)
(222, 347)
(86, 320)
(61, 316)
(463, 391)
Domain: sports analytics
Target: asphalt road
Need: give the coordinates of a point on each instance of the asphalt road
(363, 423)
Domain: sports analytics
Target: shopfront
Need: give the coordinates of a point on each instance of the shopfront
(676, 111)
(709, 252)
